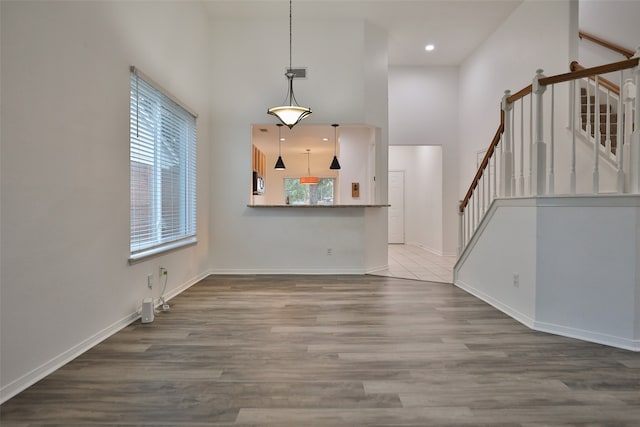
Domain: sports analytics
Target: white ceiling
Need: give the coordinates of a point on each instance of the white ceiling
(455, 27)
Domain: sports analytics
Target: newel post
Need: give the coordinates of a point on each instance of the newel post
(539, 154)
(506, 171)
(634, 152)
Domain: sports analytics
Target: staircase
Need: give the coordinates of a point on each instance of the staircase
(608, 120)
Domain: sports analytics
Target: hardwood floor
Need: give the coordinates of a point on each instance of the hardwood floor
(334, 351)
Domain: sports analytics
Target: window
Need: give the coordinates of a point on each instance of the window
(309, 194)
(162, 169)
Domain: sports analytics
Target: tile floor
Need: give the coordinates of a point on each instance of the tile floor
(413, 262)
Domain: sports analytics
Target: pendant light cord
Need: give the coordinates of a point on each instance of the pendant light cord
(290, 35)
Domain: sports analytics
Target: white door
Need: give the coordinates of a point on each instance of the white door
(396, 210)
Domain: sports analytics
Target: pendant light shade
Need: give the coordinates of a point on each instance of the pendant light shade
(335, 164)
(290, 113)
(308, 179)
(279, 163)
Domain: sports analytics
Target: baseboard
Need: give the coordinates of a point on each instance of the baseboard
(506, 309)
(27, 380)
(585, 335)
(180, 289)
(565, 331)
(302, 271)
(47, 368)
(377, 269)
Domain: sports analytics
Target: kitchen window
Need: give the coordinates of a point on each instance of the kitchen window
(309, 194)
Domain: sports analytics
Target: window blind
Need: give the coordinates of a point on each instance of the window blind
(162, 169)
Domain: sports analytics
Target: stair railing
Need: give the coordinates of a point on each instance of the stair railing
(611, 46)
(524, 165)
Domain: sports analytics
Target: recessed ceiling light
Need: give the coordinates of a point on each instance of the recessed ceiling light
(283, 139)
(325, 139)
(429, 47)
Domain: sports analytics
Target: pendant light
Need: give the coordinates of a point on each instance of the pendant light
(334, 163)
(290, 113)
(308, 179)
(279, 163)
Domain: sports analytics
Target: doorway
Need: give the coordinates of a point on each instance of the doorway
(396, 208)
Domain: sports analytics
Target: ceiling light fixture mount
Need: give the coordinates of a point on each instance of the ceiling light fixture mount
(334, 163)
(290, 114)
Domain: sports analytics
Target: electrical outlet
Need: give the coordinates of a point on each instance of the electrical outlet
(516, 280)
(329, 251)
(150, 281)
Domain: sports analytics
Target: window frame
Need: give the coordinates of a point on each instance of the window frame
(164, 146)
(308, 201)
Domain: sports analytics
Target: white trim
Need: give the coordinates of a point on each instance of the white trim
(135, 70)
(35, 375)
(293, 271)
(586, 335)
(30, 378)
(149, 253)
(506, 309)
(565, 331)
(377, 269)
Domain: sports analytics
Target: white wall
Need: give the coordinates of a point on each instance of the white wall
(423, 110)
(587, 261)
(66, 282)
(616, 22)
(507, 246)
(508, 60)
(422, 166)
(354, 151)
(343, 58)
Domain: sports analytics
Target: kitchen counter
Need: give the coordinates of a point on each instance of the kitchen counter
(318, 206)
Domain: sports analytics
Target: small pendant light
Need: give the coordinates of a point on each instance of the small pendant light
(335, 164)
(279, 163)
(308, 179)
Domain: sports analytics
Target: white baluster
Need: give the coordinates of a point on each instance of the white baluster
(495, 174)
(521, 183)
(620, 140)
(588, 127)
(597, 136)
(460, 227)
(482, 195)
(572, 175)
(531, 145)
(513, 156)
(467, 223)
(489, 181)
(540, 149)
(629, 91)
(476, 205)
(507, 161)
(607, 133)
(634, 155)
(551, 146)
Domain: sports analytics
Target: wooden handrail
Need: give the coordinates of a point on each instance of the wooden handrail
(607, 84)
(611, 46)
(587, 72)
(519, 94)
(484, 163)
